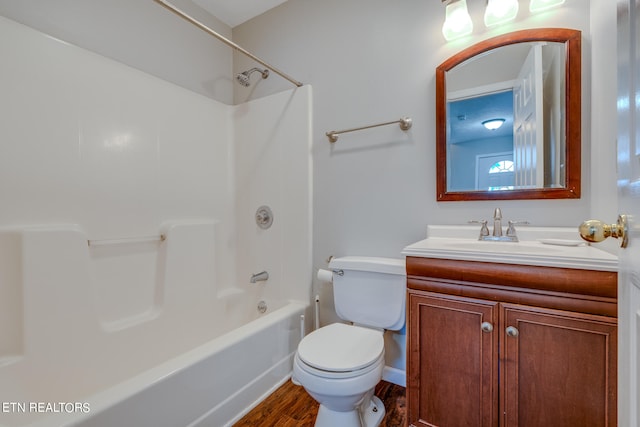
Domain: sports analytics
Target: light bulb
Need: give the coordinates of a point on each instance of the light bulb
(500, 11)
(458, 22)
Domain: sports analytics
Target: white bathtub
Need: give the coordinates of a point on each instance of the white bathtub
(211, 385)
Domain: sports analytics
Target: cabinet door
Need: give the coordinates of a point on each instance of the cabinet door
(452, 362)
(557, 368)
(629, 360)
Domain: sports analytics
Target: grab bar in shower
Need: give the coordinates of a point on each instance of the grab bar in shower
(405, 124)
(126, 240)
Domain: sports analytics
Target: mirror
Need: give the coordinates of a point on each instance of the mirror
(528, 83)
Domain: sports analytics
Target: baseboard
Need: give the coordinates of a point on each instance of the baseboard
(395, 376)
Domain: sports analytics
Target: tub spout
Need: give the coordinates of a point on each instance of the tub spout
(259, 277)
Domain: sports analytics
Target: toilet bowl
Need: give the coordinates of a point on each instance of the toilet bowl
(339, 366)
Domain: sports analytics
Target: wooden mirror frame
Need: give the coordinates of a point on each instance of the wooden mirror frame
(573, 75)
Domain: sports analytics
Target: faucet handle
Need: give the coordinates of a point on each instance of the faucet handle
(484, 230)
(511, 230)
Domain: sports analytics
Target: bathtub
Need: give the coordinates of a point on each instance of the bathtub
(90, 346)
(213, 385)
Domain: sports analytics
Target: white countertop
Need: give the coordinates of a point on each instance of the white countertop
(562, 248)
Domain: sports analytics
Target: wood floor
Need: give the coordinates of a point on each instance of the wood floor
(291, 406)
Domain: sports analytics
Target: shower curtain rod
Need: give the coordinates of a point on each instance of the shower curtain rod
(224, 40)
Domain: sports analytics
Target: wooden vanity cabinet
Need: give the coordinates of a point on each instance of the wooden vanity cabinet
(510, 345)
(452, 365)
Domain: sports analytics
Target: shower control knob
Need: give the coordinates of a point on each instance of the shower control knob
(264, 217)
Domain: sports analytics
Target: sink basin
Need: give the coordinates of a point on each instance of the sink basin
(500, 247)
(542, 246)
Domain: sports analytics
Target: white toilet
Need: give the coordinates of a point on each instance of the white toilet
(339, 365)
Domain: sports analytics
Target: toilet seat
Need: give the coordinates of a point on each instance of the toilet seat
(341, 349)
(329, 375)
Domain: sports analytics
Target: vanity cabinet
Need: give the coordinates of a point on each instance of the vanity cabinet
(510, 345)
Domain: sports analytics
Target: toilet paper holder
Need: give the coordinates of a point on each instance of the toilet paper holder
(325, 275)
(334, 271)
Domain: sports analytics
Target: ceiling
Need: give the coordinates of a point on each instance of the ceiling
(466, 117)
(235, 12)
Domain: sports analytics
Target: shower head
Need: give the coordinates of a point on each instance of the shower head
(243, 78)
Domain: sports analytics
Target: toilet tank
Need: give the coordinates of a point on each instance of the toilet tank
(370, 291)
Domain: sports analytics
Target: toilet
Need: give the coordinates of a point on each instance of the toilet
(340, 364)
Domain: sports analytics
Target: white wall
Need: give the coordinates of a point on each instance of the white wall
(372, 61)
(141, 34)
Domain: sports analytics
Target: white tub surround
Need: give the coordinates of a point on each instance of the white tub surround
(127, 241)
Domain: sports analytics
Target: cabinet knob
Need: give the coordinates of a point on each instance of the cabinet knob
(486, 327)
(512, 331)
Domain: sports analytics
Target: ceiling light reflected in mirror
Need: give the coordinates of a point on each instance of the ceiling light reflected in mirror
(493, 124)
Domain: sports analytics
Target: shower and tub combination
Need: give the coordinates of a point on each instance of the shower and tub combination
(129, 242)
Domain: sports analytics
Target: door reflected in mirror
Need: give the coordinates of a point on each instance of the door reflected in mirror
(473, 148)
(508, 118)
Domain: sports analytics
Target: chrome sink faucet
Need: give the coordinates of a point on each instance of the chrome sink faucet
(497, 223)
(497, 235)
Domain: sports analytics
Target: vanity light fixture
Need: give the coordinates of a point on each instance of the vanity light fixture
(500, 11)
(493, 124)
(541, 5)
(457, 22)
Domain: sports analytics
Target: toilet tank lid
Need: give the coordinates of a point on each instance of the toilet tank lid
(371, 264)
